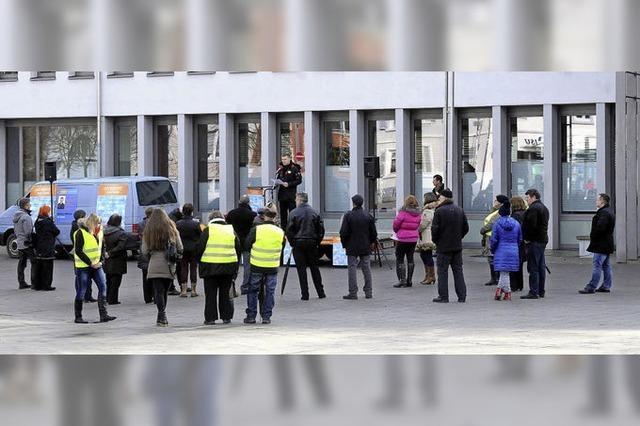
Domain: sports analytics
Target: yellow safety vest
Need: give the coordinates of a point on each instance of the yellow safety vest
(487, 220)
(91, 248)
(221, 245)
(265, 252)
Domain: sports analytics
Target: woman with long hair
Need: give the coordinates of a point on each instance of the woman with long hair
(518, 207)
(161, 244)
(88, 252)
(425, 244)
(406, 225)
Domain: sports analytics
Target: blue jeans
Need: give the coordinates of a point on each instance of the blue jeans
(84, 276)
(537, 268)
(270, 282)
(601, 263)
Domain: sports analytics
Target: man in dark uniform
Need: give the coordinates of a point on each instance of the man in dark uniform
(289, 174)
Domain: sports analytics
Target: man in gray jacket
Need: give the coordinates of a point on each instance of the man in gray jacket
(23, 227)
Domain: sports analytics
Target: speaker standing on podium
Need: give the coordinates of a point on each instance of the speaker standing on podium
(289, 174)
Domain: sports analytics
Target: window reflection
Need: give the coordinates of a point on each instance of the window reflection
(208, 167)
(335, 138)
(250, 151)
(578, 144)
(527, 155)
(477, 164)
(430, 153)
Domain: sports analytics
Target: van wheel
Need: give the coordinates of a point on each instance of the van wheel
(12, 246)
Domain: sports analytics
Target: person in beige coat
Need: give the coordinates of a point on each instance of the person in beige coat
(160, 234)
(425, 244)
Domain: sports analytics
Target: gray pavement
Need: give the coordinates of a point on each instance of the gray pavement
(394, 321)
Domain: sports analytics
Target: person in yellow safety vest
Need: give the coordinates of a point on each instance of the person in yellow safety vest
(486, 230)
(218, 252)
(265, 243)
(87, 255)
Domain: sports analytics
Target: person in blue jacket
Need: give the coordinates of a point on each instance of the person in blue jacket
(505, 242)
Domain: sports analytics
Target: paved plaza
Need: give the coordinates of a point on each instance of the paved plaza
(394, 321)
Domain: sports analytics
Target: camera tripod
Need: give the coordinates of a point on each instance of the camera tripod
(378, 249)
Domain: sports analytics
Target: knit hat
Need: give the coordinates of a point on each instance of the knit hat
(502, 199)
(446, 193)
(357, 200)
(79, 214)
(505, 209)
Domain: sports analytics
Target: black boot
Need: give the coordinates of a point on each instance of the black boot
(493, 280)
(88, 296)
(77, 306)
(400, 272)
(410, 268)
(162, 320)
(173, 291)
(102, 309)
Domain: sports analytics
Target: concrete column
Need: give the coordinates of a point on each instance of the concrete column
(228, 163)
(631, 179)
(357, 152)
(552, 173)
(312, 161)
(604, 159)
(416, 35)
(186, 186)
(3, 166)
(620, 201)
(107, 147)
(454, 163)
(145, 146)
(269, 147)
(404, 158)
(500, 124)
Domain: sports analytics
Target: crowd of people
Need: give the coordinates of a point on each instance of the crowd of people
(177, 247)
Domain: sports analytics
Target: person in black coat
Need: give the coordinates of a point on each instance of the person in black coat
(305, 232)
(289, 173)
(175, 215)
(218, 278)
(77, 215)
(115, 255)
(242, 218)
(449, 227)
(518, 207)
(190, 232)
(45, 250)
(535, 226)
(143, 262)
(602, 226)
(358, 234)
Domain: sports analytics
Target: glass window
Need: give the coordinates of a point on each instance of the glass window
(430, 153)
(43, 75)
(578, 144)
(382, 143)
(167, 151)
(208, 167)
(81, 75)
(250, 155)
(155, 192)
(292, 144)
(477, 164)
(527, 155)
(337, 172)
(29, 158)
(12, 161)
(127, 150)
(74, 148)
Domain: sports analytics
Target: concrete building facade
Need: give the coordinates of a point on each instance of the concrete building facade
(571, 135)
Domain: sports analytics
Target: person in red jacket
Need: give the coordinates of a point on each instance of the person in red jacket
(406, 226)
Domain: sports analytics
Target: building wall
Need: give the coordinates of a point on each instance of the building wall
(184, 99)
